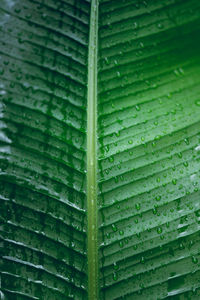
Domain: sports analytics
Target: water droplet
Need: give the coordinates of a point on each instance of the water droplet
(154, 144)
(169, 95)
(28, 16)
(107, 171)
(137, 206)
(174, 181)
(106, 148)
(176, 72)
(194, 260)
(111, 159)
(160, 26)
(44, 16)
(154, 86)
(1, 71)
(186, 141)
(142, 260)
(135, 247)
(197, 102)
(106, 61)
(158, 198)
(17, 10)
(181, 246)
(154, 210)
(121, 232)
(114, 227)
(115, 276)
(145, 3)
(181, 71)
(141, 45)
(159, 230)
(137, 107)
(121, 244)
(108, 235)
(118, 74)
(157, 137)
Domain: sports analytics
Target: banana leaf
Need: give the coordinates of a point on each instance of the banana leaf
(99, 149)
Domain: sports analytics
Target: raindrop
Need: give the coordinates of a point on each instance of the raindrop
(137, 206)
(180, 155)
(159, 230)
(197, 102)
(160, 26)
(106, 61)
(137, 107)
(111, 159)
(114, 227)
(174, 181)
(17, 10)
(121, 244)
(158, 198)
(186, 141)
(115, 276)
(106, 148)
(142, 260)
(141, 45)
(194, 260)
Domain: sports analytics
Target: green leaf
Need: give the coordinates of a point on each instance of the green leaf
(100, 149)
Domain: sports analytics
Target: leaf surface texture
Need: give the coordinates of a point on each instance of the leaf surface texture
(148, 155)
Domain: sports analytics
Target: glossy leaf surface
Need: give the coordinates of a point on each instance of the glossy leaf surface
(148, 149)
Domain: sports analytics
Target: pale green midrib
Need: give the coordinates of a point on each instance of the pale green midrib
(92, 214)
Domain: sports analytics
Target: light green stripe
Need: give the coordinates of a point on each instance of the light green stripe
(92, 216)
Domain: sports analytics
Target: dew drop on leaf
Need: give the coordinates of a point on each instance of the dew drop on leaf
(137, 107)
(106, 148)
(197, 102)
(121, 244)
(187, 141)
(194, 260)
(160, 26)
(174, 181)
(116, 267)
(158, 198)
(142, 260)
(115, 276)
(159, 230)
(137, 206)
(114, 227)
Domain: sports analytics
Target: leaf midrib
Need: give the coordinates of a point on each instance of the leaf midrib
(92, 214)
